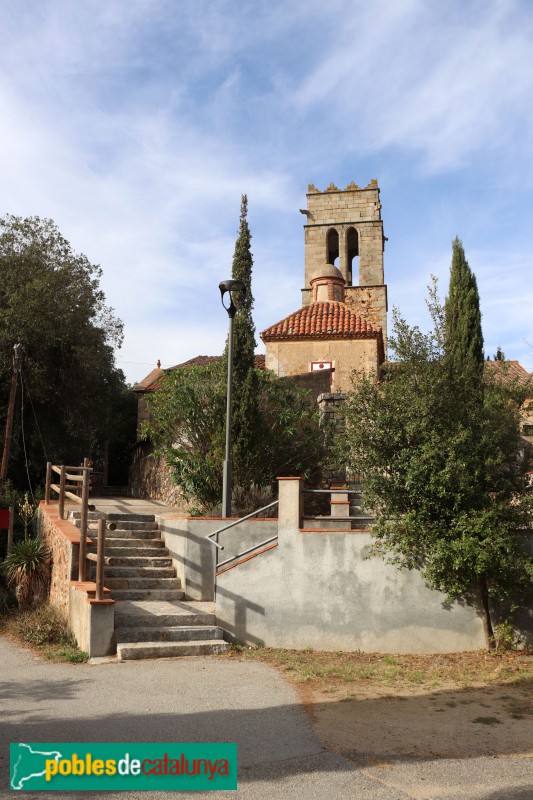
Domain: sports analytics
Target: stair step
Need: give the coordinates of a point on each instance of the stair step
(113, 542)
(128, 535)
(142, 583)
(135, 650)
(139, 572)
(135, 552)
(114, 516)
(179, 633)
(131, 525)
(118, 515)
(147, 594)
(138, 561)
(149, 613)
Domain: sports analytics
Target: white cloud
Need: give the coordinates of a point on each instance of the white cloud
(138, 126)
(445, 84)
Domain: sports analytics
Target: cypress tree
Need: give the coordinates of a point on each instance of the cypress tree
(464, 337)
(246, 413)
(244, 333)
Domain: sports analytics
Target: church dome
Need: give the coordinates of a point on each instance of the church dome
(327, 283)
(326, 271)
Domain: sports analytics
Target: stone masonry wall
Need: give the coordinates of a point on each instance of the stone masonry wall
(342, 209)
(150, 478)
(370, 303)
(63, 538)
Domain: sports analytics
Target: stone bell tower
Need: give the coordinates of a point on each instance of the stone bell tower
(344, 228)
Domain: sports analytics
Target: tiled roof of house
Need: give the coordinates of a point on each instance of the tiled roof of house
(503, 370)
(509, 370)
(146, 383)
(153, 379)
(325, 320)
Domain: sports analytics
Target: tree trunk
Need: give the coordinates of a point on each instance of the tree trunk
(487, 622)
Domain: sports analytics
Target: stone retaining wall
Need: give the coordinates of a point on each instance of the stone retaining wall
(63, 539)
(150, 478)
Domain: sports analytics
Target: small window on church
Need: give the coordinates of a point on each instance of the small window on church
(332, 241)
(352, 255)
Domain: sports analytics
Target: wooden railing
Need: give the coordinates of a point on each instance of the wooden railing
(99, 556)
(77, 490)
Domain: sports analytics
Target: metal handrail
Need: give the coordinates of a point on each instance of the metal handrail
(237, 522)
(245, 552)
(209, 538)
(332, 491)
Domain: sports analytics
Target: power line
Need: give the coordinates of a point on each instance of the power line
(23, 379)
(23, 437)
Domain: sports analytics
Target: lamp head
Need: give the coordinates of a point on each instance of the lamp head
(235, 290)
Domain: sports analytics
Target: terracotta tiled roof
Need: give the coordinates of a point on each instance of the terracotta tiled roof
(327, 320)
(153, 379)
(509, 371)
(503, 370)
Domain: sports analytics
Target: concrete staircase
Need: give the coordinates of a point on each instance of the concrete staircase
(152, 618)
(363, 519)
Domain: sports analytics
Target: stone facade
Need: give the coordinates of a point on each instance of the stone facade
(342, 322)
(63, 539)
(344, 227)
(150, 477)
(345, 355)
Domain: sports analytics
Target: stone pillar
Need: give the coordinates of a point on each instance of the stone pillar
(340, 507)
(290, 507)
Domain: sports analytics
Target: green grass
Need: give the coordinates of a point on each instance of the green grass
(395, 672)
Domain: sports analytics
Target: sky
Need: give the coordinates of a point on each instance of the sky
(136, 125)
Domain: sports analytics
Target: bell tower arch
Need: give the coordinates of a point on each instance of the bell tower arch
(344, 228)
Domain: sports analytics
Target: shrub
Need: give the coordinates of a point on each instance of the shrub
(27, 570)
(43, 625)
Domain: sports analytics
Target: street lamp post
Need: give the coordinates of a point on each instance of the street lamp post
(229, 287)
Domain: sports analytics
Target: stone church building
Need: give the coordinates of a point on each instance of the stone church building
(339, 329)
(342, 322)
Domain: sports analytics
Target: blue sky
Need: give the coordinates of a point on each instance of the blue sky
(137, 124)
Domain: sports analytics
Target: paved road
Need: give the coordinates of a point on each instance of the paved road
(210, 699)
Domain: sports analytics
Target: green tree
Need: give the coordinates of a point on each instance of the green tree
(245, 411)
(244, 333)
(52, 303)
(187, 427)
(464, 337)
(447, 478)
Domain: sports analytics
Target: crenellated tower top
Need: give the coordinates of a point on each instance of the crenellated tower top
(344, 228)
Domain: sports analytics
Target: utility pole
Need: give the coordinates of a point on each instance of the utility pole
(17, 357)
(229, 287)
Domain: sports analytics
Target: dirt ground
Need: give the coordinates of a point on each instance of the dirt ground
(461, 706)
(448, 723)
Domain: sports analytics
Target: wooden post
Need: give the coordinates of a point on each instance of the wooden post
(83, 520)
(48, 482)
(62, 477)
(100, 553)
(105, 478)
(10, 412)
(10, 529)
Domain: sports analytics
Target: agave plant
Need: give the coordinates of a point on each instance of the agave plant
(27, 570)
